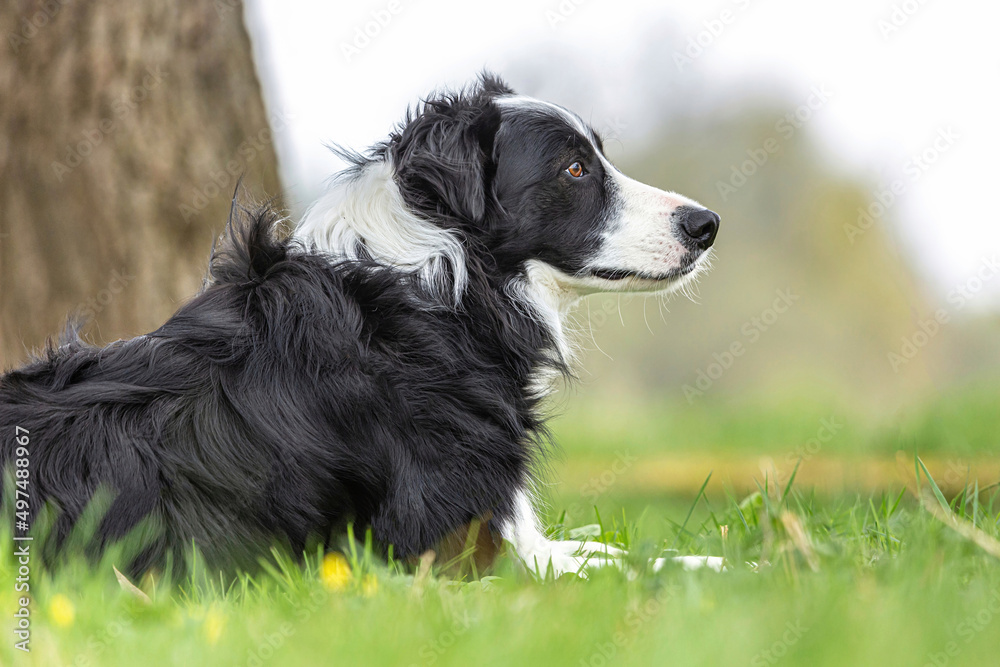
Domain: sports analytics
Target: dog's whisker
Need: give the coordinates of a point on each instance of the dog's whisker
(592, 337)
(649, 328)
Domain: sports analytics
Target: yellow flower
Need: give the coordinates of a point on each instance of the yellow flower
(369, 585)
(61, 610)
(214, 623)
(335, 572)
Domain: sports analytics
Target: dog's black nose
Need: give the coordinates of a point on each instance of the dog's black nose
(699, 225)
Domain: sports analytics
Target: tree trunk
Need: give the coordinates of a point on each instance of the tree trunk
(125, 128)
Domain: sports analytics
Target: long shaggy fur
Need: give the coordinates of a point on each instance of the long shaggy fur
(295, 393)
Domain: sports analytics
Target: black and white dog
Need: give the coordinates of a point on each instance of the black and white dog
(385, 365)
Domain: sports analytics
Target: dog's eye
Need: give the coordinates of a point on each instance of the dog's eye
(575, 170)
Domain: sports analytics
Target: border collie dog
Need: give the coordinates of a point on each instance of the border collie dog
(385, 365)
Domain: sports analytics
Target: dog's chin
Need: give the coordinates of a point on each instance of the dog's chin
(629, 280)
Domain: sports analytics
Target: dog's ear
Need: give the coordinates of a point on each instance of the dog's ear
(442, 155)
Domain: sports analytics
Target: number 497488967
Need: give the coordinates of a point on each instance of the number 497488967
(21, 475)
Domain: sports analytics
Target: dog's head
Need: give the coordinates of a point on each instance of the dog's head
(524, 185)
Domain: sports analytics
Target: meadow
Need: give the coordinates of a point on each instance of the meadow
(888, 568)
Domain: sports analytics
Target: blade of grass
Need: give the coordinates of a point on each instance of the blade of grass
(934, 487)
(691, 510)
(791, 480)
(975, 505)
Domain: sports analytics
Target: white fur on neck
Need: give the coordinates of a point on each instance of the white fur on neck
(549, 297)
(366, 209)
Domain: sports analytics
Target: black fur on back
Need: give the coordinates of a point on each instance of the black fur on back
(295, 393)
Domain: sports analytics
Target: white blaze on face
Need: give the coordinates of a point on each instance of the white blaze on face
(641, 235)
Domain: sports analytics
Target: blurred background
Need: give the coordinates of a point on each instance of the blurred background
(854, 308)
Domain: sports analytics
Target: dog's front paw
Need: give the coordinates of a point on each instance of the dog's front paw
(692, 563)
(560, 557)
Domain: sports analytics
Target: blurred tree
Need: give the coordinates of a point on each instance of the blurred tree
(125, 127)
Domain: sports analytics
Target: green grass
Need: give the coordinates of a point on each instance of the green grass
(842, 580)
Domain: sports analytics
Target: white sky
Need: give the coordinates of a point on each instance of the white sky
(891, 94)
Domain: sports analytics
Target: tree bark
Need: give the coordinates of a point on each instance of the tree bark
(125, 128)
